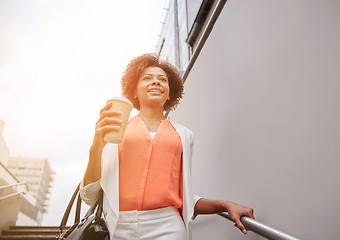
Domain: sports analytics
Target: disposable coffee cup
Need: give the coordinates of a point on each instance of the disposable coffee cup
(125, 106)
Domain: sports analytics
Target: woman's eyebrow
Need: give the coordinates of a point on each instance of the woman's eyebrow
(160, 75)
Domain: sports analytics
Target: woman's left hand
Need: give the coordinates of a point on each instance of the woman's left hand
(236, 211)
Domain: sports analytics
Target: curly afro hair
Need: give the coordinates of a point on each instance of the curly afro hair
(136, 67)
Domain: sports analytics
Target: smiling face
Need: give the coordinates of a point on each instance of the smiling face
(153, 87)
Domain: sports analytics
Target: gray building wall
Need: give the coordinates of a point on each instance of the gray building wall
(263, 100)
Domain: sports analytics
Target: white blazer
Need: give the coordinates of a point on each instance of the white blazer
(109, 182)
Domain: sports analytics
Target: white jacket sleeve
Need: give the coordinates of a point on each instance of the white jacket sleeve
(196, 198)
(89, 192)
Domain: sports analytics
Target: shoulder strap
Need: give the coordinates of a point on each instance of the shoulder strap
(98, 202)
(68, 209)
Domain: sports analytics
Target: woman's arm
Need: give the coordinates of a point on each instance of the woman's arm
(107, 122)
(93, 170)
(236, 211)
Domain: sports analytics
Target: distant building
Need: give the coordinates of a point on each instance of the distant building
(4, 151)
(38, 175)
(25, 185)
(11, 190)
(171, 43)
(182, 25)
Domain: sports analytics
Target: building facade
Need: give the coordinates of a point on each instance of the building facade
(4, 151)
(38, 176)
(263, 101)
(11, 189)
(25, 186)
(171, 43)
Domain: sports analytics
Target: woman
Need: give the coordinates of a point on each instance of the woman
(146, 179)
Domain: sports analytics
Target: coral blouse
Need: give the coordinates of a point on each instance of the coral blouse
(149, 168)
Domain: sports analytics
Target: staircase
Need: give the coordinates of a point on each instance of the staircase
(29, 233)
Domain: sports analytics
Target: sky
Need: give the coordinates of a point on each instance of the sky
(60, 61)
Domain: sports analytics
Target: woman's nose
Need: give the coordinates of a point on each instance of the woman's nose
(155, 81)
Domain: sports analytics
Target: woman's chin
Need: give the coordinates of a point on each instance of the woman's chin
(154, 102)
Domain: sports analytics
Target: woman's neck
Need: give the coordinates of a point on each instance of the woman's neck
(151, 113)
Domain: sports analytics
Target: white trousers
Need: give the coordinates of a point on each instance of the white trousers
(159, 224)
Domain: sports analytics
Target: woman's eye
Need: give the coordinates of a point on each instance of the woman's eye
(163, 79)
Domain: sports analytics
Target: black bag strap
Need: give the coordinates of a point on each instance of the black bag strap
(78, 206)
(98, 202)
(68, 209)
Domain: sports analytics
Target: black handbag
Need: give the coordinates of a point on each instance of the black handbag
(92, 226)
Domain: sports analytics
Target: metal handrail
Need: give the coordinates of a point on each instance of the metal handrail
(11, 195)
(261, 229)
(8, 171)
(14, 185)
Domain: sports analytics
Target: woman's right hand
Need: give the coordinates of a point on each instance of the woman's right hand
(107, 122)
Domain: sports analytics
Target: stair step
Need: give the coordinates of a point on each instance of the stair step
(35, 227)
(31, 237)
(30, 232)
